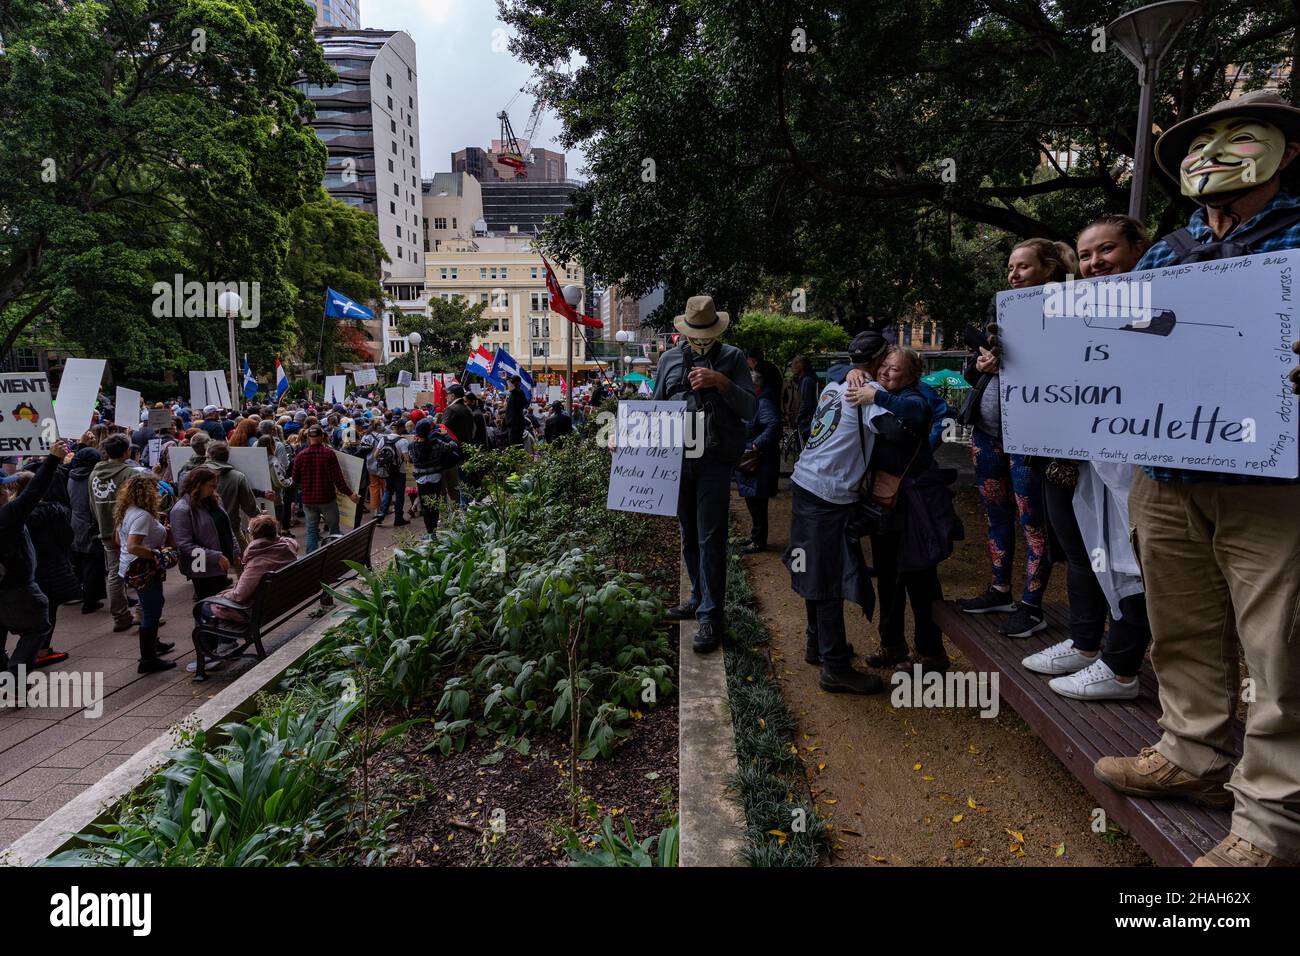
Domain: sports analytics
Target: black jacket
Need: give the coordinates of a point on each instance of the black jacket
(51, 530)
(516, 404)
(558, 425)
(17, 556)
(979, 380)
(807, 403)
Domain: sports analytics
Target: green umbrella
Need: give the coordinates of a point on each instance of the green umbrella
(945, 378)
(636, 378)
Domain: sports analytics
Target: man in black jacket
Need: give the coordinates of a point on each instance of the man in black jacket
(516, 408)
(559, 424)
(716, 384)
(23, 608)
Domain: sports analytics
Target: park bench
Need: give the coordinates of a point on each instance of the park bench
(1172, 832)
(283, 594)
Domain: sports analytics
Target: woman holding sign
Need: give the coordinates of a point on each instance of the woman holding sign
(1087, 509)
(1007, 485)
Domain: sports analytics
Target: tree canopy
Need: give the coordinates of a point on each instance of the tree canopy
(882, 155)
(141, 139)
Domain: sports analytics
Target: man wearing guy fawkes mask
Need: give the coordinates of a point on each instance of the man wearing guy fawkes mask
(1218, 551)
(714, 381)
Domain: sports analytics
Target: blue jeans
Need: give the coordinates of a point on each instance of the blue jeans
(314, 513)
(702, 510)
(151, 606)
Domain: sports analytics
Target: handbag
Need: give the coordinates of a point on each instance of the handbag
(144, 573)
(874, 511)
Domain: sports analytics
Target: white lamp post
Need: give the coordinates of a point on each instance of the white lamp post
(229, 304)
(573, 296)
(1144, 36)
(415, 339)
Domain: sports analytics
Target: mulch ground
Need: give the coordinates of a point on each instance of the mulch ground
(450, 802)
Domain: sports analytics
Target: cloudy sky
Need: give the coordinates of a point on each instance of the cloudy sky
(464, 83)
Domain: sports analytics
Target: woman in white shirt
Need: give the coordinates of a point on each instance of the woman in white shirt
(140, 534)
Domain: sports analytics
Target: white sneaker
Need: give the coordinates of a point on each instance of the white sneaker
(1095, 682)
(1060, 658)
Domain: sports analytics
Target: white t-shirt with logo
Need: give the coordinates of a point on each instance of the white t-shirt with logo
(138, 521)
(833, 463)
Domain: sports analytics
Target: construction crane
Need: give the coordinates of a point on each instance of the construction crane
(512, 154)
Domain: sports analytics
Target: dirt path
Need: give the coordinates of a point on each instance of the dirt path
(899, 784)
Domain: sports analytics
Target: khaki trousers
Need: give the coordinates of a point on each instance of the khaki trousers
(1213, 555)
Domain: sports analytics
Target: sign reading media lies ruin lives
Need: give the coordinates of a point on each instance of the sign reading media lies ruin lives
(1181, 367)
(646, 473)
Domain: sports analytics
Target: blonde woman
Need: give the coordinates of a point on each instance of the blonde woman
(140, 534)
(1008, 486)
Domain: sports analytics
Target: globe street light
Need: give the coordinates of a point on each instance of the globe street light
(573, 296)
(622, 337)
(229, 303)
(415, 339)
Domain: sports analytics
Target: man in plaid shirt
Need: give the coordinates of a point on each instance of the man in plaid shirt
(316, 473)
(1218, 551)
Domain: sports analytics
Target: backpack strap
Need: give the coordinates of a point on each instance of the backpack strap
(1181, 241)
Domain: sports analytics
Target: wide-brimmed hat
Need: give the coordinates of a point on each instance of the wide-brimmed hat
(1265, 105)
(702, 319)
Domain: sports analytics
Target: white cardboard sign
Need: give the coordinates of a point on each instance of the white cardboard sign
(78, 390)
(1183, 367)
(126, 408)
(353, 469)
(209, 388)
(336, 387)
(365, 376)
(255, 465)
(646, 473)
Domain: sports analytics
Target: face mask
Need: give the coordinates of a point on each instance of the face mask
(701, 344)
(1230, 155)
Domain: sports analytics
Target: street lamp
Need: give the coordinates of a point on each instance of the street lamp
(229, 303)
(573, 296)
(622, 337)
(415, 339)
(1144, 36)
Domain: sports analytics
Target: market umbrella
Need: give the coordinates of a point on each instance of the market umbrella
(635, 378)
(945, 378)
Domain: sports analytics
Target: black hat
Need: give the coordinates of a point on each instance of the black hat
(866, 347)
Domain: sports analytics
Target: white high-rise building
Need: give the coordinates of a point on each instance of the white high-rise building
(369, 120)
(337, 13)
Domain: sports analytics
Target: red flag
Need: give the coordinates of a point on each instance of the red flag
(559, 305)
(439, 396)
(564, 386)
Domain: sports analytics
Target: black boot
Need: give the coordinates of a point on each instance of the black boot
(850, 681)
(708, 638)
(680, 612)
(149, 659)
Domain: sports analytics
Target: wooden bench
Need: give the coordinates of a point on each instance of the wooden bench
(280, 595)
(1172, 832)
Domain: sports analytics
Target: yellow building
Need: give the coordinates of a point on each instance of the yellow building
(505, 273)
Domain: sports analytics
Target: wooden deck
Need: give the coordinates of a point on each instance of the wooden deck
(1173, 832)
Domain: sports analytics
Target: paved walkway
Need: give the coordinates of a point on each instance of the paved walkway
(49, 755)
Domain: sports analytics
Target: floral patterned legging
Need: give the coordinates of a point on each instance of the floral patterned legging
(1008, 486)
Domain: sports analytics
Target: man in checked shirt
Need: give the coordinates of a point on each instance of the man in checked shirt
(316, 473)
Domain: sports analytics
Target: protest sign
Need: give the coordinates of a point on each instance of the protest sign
(423, 398)
(646, 473)
(336, 387)
(160, 418)
(403, 378)
(400, 397)
(209, 388)
(1181, 367)
(126, 408)
(74, 406)
(365, 376)
(27, 420)
(555, 393)
(255, 464)
(353, 469)
(154, 452)
(178, 457)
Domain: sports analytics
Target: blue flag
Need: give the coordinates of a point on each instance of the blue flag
(339, 306)
(504, 364)
(250, 383)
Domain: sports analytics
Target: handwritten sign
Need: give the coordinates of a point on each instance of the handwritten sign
(26, 414)
(399, 397)
(365, 376)
(646, 472)
(1182, 367)
(160, 418)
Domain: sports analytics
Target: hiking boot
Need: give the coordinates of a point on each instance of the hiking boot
(707, 638)
(1026, 620)
(680, 612)
(120, 626)
(887, 657)
(990, 600)
(1237, 851)
(849, 682)
(1151, 774)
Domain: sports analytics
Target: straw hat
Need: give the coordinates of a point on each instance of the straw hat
(702, 319)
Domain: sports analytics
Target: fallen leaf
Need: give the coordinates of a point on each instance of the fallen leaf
(961, 844)
(957, 818)
(879, 859)
(762, 724)
(830, 803)
(970, 802)
(917, 765)
(821, 766)
(1016, 835)
(1060, 849)
(927, 777)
